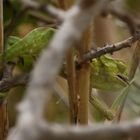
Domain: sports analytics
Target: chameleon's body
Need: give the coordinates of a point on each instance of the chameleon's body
(31, 44)
(104, 70)
(28, 47)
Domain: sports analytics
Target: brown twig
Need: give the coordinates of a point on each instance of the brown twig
(83, 77)
(9, 83)
(39, 16)
(110, 48)
(71, 74)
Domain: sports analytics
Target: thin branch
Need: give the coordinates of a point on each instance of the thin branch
(56, 12)
(39, 16)
(83, 77)
(110, 48)
(9, 83)
(71, 76)
(30, 3)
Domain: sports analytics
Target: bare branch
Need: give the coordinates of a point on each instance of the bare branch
(57, 12)
(110, 48)
(9, 83)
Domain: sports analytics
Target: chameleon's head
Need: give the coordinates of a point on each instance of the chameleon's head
(105, 71)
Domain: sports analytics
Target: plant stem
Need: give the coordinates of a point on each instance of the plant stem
(3, 104)
(71, 77)
(71, 73)
(83, 78)
(1, 26)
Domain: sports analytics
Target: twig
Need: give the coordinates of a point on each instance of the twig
(71, 76)
(30, 3)
(41, 17)
(8, 69)
(4, 123)
(110, 48)
(83, 77)
(9, 83)
(60, 14)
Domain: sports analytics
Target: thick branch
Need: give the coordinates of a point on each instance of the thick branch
(126, 130)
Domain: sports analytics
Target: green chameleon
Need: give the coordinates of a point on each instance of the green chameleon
(24, 51)
(106, 72)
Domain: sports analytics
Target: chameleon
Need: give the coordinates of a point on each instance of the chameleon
(105, 70)
(27, 48)
(108, 74)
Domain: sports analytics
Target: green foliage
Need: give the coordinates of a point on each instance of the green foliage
(105, 73)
